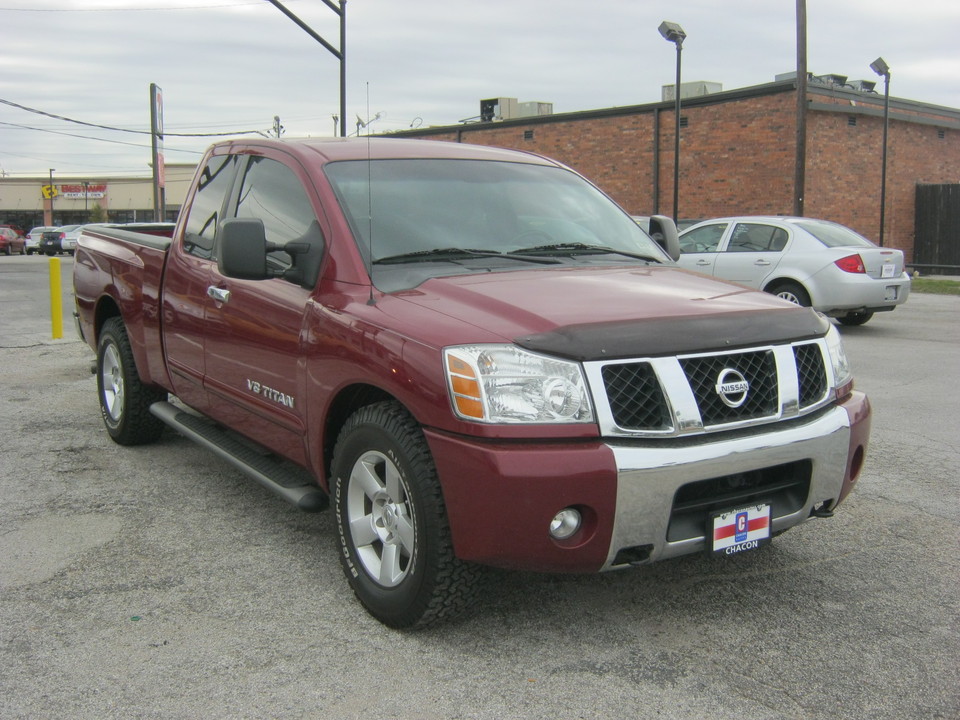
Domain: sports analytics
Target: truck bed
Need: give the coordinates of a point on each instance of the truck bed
(118, 269)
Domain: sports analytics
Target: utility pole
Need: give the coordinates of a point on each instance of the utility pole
(800, 170)
(277, 127)
(52, 193)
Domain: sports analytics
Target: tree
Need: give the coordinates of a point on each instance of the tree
(98, 214)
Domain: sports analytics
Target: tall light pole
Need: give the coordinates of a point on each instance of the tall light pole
(52, 193)
(675, 34)
(881, 68)
(800, 156)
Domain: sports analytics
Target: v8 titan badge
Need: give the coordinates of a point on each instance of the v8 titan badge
(735, 531)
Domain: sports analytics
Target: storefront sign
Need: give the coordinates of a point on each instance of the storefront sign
(78, 192)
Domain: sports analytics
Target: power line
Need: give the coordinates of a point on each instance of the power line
(87, 137)
(126, 130)
(134, 9)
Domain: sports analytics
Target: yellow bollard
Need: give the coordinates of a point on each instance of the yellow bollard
(56, 299)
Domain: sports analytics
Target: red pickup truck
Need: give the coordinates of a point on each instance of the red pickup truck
(476, 355)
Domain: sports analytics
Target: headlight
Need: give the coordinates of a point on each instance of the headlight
(842, 375)
(506, 384)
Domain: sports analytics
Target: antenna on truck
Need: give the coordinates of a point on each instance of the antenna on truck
(370, 300)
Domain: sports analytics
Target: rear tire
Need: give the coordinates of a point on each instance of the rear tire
(124, 399)
(857, 318)
(394, 538)
(791, 292)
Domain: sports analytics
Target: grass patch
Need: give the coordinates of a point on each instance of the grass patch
(935, 286)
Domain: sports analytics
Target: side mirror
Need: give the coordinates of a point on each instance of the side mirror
(244, 252)
(243, 249)
(664, 231)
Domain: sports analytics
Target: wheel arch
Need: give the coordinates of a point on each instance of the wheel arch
(345, 403)
(780, 280)
(106, 308)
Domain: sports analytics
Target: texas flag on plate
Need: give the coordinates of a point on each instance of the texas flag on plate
(745, 528)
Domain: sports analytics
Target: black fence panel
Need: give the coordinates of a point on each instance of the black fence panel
(936, 246)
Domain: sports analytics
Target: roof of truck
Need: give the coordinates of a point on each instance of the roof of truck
(380, 148)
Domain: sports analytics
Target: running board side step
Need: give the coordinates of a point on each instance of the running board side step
(294, 486)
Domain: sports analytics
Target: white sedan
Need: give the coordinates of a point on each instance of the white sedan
(810, 262)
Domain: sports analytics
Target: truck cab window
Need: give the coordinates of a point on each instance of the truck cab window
(201, 227)
(272, 192)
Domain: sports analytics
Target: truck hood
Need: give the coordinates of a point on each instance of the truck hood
(615, 312)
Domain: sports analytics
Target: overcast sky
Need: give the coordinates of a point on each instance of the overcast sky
(232, 65)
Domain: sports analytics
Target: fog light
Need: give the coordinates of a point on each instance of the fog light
(565, 523)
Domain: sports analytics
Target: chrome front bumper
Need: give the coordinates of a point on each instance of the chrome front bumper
(650, 476)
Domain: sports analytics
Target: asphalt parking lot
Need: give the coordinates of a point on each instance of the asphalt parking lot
(158, 582)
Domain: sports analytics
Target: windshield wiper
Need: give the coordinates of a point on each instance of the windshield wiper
(571, 249)
(453, 254)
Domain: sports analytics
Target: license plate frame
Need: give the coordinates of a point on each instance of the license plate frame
(740, 529)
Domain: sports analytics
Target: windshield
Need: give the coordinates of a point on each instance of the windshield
(425, 210)
(832, 234)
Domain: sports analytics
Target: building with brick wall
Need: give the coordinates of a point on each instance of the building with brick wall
(738, 153)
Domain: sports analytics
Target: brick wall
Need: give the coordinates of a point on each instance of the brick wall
(737, 156)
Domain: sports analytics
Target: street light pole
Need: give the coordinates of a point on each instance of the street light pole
(341, 10)
(672, 32)
(881, 68)
(52, 193)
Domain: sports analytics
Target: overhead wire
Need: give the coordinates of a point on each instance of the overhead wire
(126, 130)
(87, 137)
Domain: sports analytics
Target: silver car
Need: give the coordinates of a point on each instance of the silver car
(806, 261)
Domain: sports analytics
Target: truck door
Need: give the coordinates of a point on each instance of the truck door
(187, 278)
(254, 366)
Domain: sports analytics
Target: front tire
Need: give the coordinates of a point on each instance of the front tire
(124, 399)
(394, 539)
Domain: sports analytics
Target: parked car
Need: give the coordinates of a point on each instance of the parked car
(60, 240)
(10, 242)
(809, 262)
(33, 238)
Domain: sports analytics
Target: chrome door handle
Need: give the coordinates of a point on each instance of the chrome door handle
(762, 262)
(703, 262)
(218, 294)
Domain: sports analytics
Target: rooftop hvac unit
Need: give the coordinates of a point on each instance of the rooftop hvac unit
(690, 89)
(533, 109)
(866, 86)
(498, 109)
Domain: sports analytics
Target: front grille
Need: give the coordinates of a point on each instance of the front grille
(758, 368)
(811, 373)
(635, 397)
(785, 487)
(690, 394)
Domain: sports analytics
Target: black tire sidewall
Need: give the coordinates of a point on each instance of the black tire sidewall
(112, 336)
(404, 604)
(135, 425)
(797, 290)
(856, 319)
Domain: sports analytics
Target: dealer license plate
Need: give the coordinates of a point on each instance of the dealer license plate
(736, 531)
